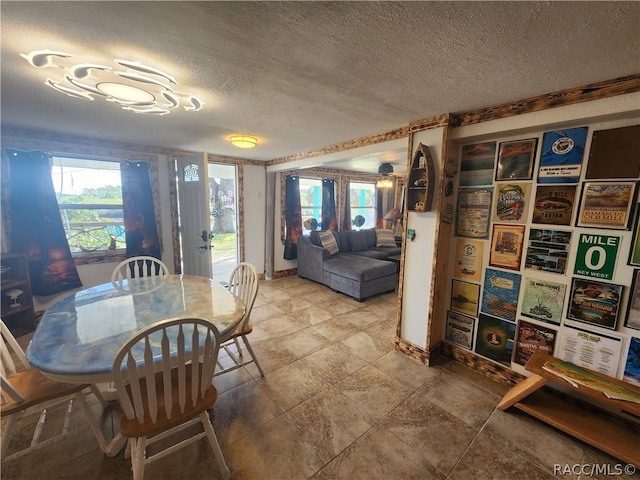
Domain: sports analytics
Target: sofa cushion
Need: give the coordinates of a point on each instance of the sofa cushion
(385, 238)
(329, 242)
(357, 241)
(357, 267)
(370, 234)
(314, 237)
(378, 253)
(343, 241)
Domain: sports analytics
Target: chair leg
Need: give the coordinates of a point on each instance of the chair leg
(96, 391)
(215, 446)
(235, 340)
(6, 435)
(91, 420)
(138, 446)
(253, 355)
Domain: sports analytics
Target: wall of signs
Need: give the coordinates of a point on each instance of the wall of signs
(547, 248)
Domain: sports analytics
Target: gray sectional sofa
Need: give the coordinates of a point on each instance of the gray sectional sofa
(359, 269)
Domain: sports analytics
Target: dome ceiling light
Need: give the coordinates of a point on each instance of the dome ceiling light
(132, 85)
(244, 141)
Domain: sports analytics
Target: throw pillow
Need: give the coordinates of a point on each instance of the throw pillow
(329, 242)
(385, 238)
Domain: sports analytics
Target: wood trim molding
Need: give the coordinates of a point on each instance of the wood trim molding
(492, 370)
(593, 91)
(426, 356)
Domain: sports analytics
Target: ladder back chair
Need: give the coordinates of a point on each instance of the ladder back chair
(24, 387)
(163, 375)
(243, 282)
(150, 268)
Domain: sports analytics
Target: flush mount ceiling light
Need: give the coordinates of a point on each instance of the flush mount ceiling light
(385, 169)
(132, 85)
(243, 141)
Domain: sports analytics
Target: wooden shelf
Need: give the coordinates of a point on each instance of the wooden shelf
(613, 437)
(420, 197)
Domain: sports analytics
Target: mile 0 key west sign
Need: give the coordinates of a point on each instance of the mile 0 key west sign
(596, 256)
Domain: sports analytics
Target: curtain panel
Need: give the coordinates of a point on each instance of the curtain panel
(346, 208)
(293, 217)
(36, 225)
(139, 212)
(329, 221)
(379, 212)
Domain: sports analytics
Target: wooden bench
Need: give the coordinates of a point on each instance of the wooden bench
(614, 438)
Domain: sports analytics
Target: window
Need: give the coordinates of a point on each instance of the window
(310, 204)
(89, 194)
(362, 200)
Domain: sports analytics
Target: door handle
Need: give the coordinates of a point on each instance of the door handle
(204, 236)
(205, 247)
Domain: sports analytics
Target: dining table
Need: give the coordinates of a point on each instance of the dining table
(78, 337)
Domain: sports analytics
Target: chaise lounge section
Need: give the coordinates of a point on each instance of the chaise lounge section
(353, 263)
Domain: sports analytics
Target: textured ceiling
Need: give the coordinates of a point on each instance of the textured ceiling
(303, 75)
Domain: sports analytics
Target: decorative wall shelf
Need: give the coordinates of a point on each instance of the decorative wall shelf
(421, 183)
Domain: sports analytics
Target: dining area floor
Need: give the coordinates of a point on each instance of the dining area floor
(337, 402)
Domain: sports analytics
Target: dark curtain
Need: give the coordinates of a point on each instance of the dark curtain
(379, 212)
(36, 225)
(329, 221)
(346, 218)
(293, 216)
(139, 213)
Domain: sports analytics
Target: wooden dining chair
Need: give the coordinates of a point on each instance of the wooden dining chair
(24, 387)
(163, 376)
(139, 267)
(243, 282)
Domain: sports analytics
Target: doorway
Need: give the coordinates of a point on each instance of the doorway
(223, 207)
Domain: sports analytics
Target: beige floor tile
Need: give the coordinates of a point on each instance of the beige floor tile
(311, 315)
(335, 329)
(262, 312)
(374, 391)
(334, 362)
(540, 443)
(367, 346)
(477, 379)
(277, 450)
(241, 411)
(304, 342)
(496, 459)
(331, 422)
(422, 425)
(469, 403)
(274, 328)
(293, 384)
(379, 455)
(405, 369)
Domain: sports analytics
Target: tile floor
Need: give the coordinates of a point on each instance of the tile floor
(337, 402)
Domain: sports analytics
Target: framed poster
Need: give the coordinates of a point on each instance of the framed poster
(633, 308)
(477, 163)
(512, 202)
(595, 303)
(473, 212)
(590, 350)
(547, 250)
(532, 338)
(606, 205)
(553, 204)
(506, 246)
(494, 339)
(500, 293)
(561, 155)
(515, 160)
(464, 297)
(632, 365)
(596, 256)
(634, 253)
(459, 329)
(468, 261)
(614, 153)
(542, 300)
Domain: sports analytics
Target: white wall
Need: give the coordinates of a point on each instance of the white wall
(418, 263)
(254, 197)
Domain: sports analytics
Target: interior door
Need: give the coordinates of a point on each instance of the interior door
(194, 214)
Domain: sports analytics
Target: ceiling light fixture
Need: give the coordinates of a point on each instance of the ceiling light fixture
(132, 85)
(384, 183)
(385, 169)
(243, 141)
